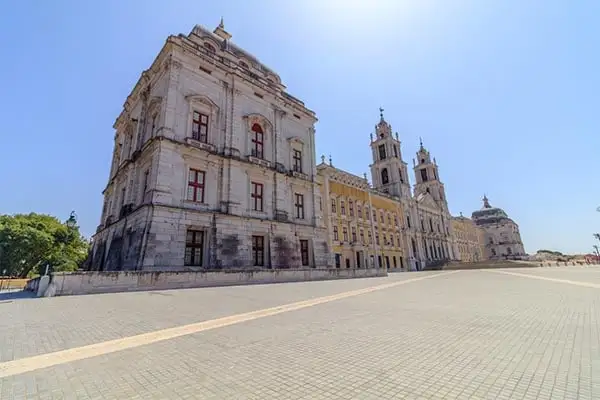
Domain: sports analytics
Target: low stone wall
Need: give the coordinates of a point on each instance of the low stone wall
(75, 283)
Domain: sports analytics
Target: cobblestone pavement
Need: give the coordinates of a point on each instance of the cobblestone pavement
(465, 335)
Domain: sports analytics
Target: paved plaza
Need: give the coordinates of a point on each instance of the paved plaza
(501, 334)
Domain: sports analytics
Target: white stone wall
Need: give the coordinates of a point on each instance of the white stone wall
(154, 149)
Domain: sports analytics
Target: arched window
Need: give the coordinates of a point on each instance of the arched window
(257, 141)
(209, 47)
(385, 179)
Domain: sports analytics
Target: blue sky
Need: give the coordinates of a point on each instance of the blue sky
(502, 92)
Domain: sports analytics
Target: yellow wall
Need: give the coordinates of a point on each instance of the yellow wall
(340, 191)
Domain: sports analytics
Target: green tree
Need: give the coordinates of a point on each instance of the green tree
(29, 242)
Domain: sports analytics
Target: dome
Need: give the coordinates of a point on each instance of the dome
(489, 214)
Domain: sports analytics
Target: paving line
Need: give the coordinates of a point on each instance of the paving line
(544, 278)
(28, 364)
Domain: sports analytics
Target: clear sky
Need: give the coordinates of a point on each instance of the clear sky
(502, 92)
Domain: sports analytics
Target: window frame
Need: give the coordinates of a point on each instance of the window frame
(297, 160)
(258, 251)
(193, 245)
(256, 198)
(304, 252)
(196, 186)
(197, 123)
(299, 205)
(257, 148)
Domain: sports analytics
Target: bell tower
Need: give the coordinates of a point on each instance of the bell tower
(388, 171)
(428, 178)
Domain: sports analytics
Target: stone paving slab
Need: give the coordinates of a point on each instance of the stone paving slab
(43, 325)
(469, 335)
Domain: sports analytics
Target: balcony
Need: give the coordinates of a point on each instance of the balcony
(256, 158)
(201, 145)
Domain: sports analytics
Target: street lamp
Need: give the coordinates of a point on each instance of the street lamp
(72, 221)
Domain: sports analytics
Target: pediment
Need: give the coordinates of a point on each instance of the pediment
(296, 139)
(426, 200)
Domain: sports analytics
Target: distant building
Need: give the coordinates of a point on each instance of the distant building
(502, 236)
(402, 228)
(468, 240)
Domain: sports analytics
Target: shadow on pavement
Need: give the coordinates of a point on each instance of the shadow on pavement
(15, 294)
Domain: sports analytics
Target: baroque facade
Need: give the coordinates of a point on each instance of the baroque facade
(468, 240)
(502, 236)
(213, 167)
(413, 225)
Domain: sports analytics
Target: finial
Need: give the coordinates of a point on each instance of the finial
(371, 136)
(330, 162)
(365, 176)
(323, 159)
(414, 163)
(221, 24)
(421, 142)
(381, 110)
(435, 162)
(397, 136)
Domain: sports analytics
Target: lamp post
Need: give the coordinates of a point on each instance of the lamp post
(72, 221)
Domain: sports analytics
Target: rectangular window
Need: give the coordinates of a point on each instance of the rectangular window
(370, 237)
(299, 206)
(258, 251)
(345, 233)
(297, 155)
(351, 208)
(257, 196)
(358, 211)
(200, 127)
(338, 260)
(343, 207)
(153, 126)
(196, 185)
(374, 215)
(377, 239)
(336, 235)
(353, 234)
(362, 236)
(194, 248)
(382, 152)
(381, 217)
(333, 206)
(408, 221)
(424, 175)
(304, 252)
(146, 178)
(257, 144)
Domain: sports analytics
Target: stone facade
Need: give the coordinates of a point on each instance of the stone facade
(419, 220)
(213, 167)
(502, 236)
(468, 240)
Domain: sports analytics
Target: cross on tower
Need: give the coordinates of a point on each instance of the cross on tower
(381, 112)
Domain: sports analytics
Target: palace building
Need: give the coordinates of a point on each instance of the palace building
(213, 167)
(411, 229)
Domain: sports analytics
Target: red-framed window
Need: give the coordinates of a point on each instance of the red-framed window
(196, 180)
(200, 127)
(256, 195)
(258, 138)
(297, 157)
(299, 206)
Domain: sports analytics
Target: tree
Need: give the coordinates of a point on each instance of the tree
(597, 236)
(30, 242)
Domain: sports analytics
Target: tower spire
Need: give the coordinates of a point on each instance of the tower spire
(486, 202)
(381, 110)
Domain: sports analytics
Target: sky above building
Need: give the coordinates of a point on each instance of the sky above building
(503, 94)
